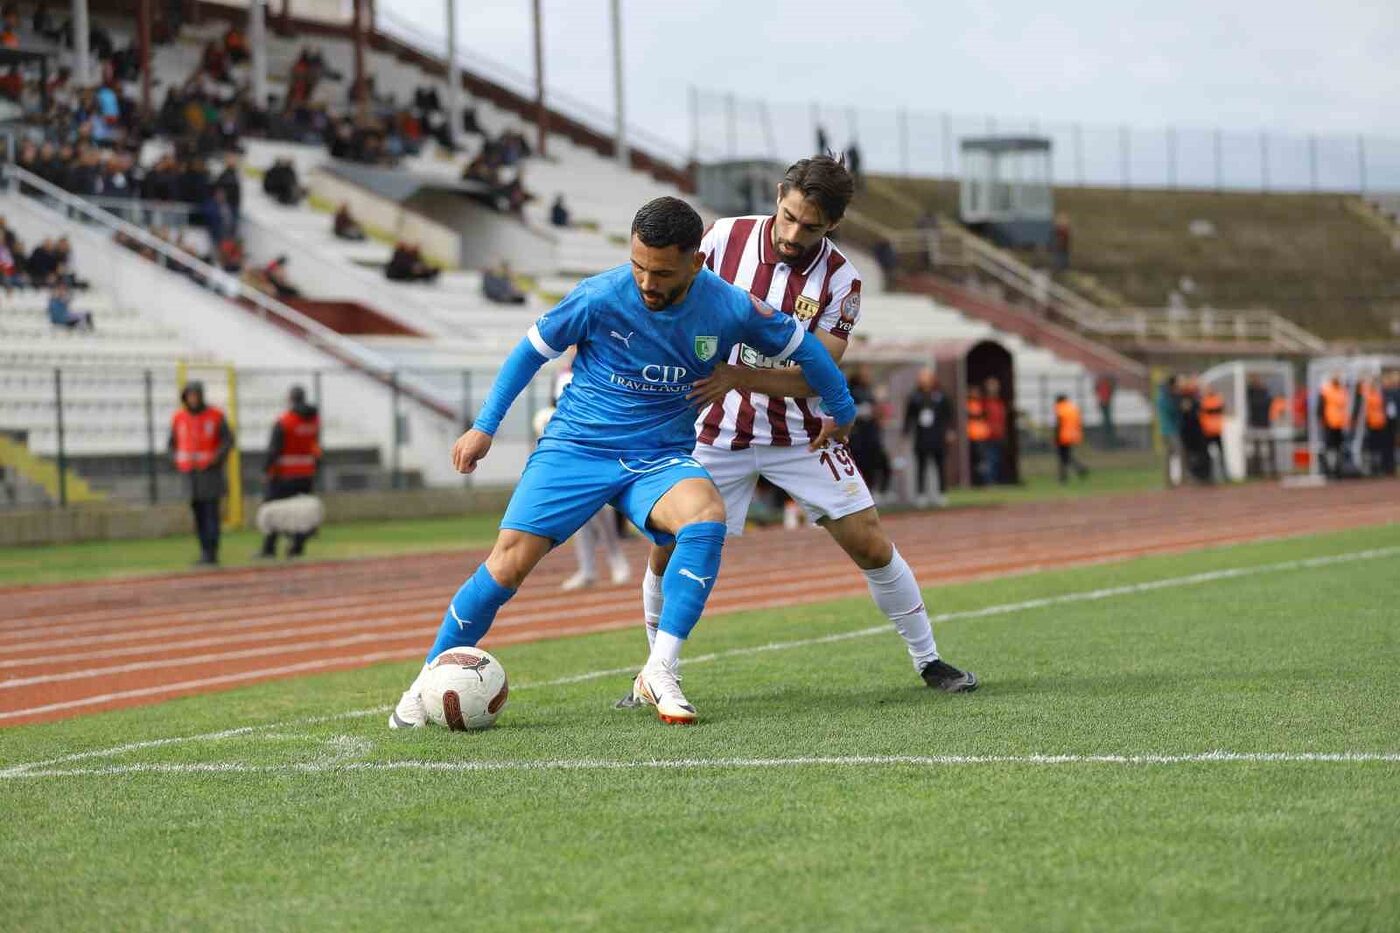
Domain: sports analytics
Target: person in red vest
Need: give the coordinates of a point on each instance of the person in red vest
(199, 444)
(1069, 434)
(293, 456)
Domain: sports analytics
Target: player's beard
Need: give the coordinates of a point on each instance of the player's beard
(660, 301)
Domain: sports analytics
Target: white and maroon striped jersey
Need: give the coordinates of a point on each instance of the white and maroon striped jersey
(823, 294)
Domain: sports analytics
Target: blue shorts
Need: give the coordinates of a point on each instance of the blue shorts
(564, 485)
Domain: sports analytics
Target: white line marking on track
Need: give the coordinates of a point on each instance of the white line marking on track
(987, 611)
(681, 764)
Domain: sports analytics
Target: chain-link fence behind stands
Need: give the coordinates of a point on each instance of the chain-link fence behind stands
(915, 142)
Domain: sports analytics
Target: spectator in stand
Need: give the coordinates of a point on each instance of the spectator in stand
(281, 185)
(230, 183)
(61, 313)
(994, 408)
(218, 216)
(498, 285)
(12, 85)
(276, 274)
(229, 255)
(888, 261)
(1104, 387)
(1069, 434)
(235, 45)
(192, 184)
(928, 422)
(1169, 425)
(9, 272)
(162, 182)
(823, 143)
(199, 444)
(1060, 243)
(407, 265)
(43, 265)
(853, 163)
(345, 226)
(9, 31)
(558, 212)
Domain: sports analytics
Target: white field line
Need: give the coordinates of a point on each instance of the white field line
(1195, 579)
(334, 765)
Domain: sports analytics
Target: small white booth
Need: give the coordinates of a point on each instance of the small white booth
(1259, 432)
(1352, 371)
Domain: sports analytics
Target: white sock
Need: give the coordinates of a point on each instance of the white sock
(896, 592)
(652, 601)
(666, 650)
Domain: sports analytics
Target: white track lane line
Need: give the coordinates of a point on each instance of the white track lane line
(1195, 579)
(294, 647)
(685, 764)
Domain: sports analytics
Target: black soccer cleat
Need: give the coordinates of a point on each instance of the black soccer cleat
(941, 675)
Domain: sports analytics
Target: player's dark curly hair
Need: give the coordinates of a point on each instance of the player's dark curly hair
(664, 222)
(824, 180)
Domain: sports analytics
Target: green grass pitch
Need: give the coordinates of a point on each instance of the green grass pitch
(824, 789)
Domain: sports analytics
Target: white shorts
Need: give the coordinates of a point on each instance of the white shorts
(825, 483)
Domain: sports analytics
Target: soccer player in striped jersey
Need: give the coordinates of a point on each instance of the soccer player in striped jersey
(759, 417)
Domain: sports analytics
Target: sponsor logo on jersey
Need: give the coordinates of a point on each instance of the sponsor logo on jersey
(805, 308)
(656, 377)
(706, 347)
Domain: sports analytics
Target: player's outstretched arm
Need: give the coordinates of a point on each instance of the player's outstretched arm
(822, 374)
(780, 382)
(519, 368)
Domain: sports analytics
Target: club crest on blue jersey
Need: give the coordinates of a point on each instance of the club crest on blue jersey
(706, 347)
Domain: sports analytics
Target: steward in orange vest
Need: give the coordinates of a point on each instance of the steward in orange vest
(293, 455)
(1213, 426)
(1069, 433)
(199, 444)
(978, 433)
(1378, 438)
(1332, 414)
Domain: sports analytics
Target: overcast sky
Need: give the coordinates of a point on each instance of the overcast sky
(1246, 65)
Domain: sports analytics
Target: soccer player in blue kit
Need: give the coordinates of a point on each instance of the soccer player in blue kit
(624, 431)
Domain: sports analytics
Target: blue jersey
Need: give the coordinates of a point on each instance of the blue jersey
(634, 366)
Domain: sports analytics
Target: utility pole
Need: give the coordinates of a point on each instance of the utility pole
(620, 133)
(541, 111)
(257, 39)
(143, 28)
(357, 25)
(81, 53)
(454, 77)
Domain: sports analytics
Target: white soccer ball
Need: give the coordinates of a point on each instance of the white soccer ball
(465, 688)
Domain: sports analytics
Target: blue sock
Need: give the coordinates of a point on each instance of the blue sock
(471, 612)
(690, 576)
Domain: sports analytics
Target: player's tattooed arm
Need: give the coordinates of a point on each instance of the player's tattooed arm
(781, 382)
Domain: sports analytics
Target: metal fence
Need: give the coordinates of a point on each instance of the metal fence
(918, 142)
(71, 434)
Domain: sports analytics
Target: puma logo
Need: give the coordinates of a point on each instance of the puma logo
(703, 581)
(626, 341)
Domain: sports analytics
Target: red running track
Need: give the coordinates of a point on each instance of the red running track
(71, 649)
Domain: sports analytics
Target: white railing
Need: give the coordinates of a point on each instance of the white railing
(951, 242)
(347, 351)
(518, 82)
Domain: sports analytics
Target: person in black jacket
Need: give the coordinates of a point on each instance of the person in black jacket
(928, 419)
(866, 443)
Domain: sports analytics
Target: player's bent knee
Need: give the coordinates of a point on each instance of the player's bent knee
(516, 553)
